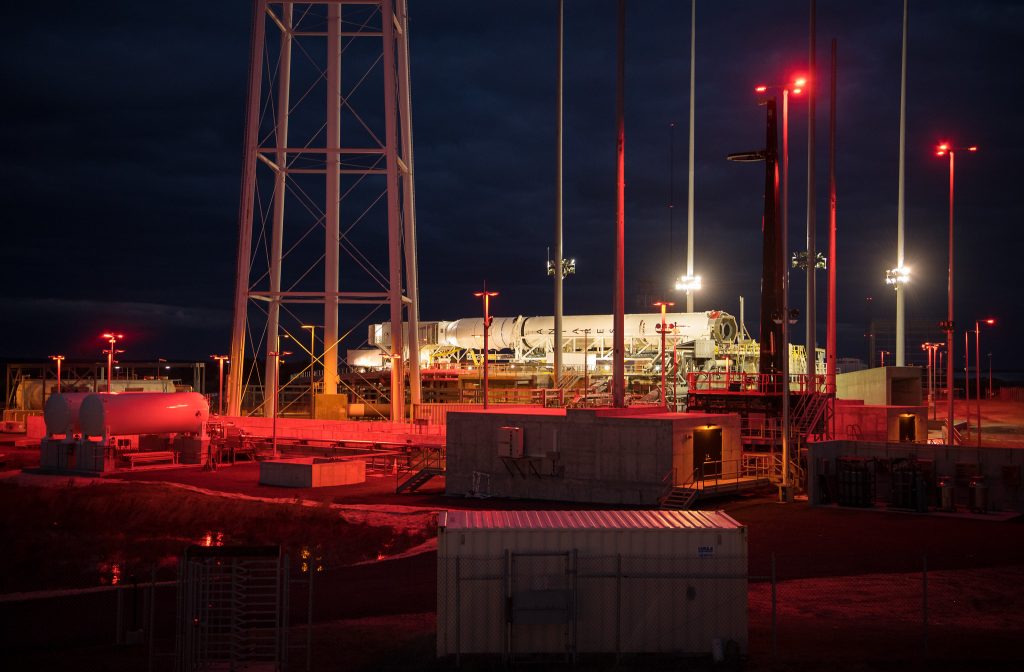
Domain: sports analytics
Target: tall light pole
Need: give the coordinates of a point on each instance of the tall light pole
(900, 272)
(277, 355)
(486, 296)
(220, 394)
(663, 329)
(692, 280)
(977, 367)
(112, 339)
(558, 272)
(796, 87)
(941, 150)
(811, 249)
(60, 358)
(619, 283)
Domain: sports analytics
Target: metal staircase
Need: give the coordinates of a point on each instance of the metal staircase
(681, 498)
(430, 465)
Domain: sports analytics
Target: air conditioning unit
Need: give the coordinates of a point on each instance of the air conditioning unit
(510, 442)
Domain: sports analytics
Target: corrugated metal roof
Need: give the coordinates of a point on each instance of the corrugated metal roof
(590, 520)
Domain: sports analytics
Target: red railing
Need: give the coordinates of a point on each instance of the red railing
(764, 383)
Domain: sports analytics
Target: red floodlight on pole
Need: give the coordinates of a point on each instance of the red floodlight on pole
(112, 339)
(943, 149)
(220, 394)
(486, 296)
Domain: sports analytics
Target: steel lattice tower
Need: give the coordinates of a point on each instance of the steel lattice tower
(327, 192)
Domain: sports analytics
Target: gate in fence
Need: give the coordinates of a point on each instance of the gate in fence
(232, 606)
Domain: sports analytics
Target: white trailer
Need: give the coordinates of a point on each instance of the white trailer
(523, 583)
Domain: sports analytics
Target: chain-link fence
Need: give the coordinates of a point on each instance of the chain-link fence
(564, 608)
(562, 605)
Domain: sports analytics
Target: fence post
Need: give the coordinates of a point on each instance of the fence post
(618, 608)
(151, 617)
(458, 610)
(119, 623)
(775, 640)
(309, 614)
(924, 601)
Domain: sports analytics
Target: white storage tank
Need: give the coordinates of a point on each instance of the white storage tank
(143, 413)
(554, 582)
(61, 413)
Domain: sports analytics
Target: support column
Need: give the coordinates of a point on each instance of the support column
(333, 195)
(245, 208)
(280, 176)
(409, 204)
(394, 222)
(558, 275)
(619, 299)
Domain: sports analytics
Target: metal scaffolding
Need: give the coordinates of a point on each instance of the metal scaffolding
(329, 135)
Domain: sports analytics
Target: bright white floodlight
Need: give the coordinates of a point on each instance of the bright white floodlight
(897, 276)
(688, 283)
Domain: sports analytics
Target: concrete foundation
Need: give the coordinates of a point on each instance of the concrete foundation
(614, 456)
(312, 472)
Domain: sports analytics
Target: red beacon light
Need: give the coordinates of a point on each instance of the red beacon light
(760, 88)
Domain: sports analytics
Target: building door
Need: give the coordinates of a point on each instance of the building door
(707, 451)
(542, 605)
(908, 427)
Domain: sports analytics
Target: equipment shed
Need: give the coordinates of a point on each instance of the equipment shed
(522, 584)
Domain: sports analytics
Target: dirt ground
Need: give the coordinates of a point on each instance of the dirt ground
(848, 591)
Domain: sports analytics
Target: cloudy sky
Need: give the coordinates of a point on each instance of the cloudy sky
(122, 129)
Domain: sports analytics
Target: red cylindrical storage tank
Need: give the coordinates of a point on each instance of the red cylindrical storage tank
(143, 413)
(61, 412)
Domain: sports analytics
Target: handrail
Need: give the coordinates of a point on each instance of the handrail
(740, 381)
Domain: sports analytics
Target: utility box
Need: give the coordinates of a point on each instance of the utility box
(510, 442)
(525, 584)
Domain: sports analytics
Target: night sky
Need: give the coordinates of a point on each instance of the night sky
(122, 132)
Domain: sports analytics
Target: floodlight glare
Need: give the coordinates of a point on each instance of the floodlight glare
(688, 283)
(897, 276)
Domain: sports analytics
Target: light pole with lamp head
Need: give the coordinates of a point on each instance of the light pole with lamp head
(931, 349)
(977, 367)
(663, 328)
(220, 394)
(941, 150)
(277, 355)
(486, 296)
(60, 358)
(112, 339)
